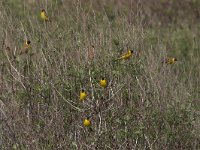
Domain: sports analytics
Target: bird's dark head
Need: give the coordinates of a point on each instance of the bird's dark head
(43, 10)
(88, 117)
(175, 59)
(28, 42)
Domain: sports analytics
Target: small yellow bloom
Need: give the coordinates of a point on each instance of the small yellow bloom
(87, 122)
(83, 95)
(103, 83)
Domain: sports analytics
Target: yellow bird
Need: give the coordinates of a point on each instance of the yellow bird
(25, 48)
(87, 122)
(126, 55)
(44, 15)
(170, 60)
(83, 95)
(27, 44)
(103, 83)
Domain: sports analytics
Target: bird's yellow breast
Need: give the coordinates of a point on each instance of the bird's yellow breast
(87, 122)
(103, 83)
(128, 54)
(83, 95)
(42, 15)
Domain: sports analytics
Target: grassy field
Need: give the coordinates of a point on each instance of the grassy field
(146, 105)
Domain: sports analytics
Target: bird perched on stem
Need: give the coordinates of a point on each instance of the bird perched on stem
(44, 15)
(103, 82)
(169, 60)
(26, 47)
(82, 95)
(125, 56)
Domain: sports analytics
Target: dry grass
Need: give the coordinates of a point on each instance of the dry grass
(147, 104)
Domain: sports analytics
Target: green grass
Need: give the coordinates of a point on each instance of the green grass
(147, 105)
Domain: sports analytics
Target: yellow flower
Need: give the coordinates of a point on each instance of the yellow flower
(83, 95)
(103, 83)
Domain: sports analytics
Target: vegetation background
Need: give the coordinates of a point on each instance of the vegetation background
(147, 105)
